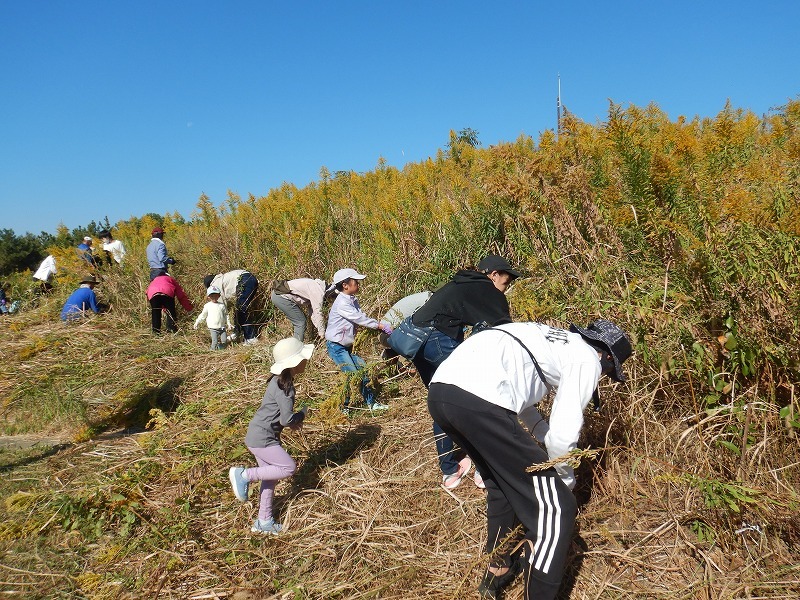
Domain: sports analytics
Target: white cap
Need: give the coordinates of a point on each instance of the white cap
(87, 238)
(289, 353)
(345, 274)
(213, 290)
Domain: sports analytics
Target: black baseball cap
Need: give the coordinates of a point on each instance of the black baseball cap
(493, 262)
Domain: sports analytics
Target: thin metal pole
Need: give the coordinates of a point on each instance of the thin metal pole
(558, 108)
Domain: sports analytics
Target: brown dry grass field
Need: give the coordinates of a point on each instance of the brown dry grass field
(117, 445)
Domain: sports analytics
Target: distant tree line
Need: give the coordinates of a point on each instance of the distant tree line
(21, 252)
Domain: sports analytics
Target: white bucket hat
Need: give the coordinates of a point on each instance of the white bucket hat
(213, 290)
(289, 353)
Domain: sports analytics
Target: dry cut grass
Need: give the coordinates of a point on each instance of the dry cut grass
(136, 503)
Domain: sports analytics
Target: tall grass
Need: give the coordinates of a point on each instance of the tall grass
(684, 232)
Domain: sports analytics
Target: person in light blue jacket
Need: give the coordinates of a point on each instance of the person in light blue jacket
(157, 256)
(344, 316)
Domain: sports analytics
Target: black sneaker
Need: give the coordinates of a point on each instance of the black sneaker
(492, 586)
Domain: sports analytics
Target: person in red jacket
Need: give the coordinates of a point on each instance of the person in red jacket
(161, 293)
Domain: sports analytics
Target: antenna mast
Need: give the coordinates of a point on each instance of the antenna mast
(558, 108)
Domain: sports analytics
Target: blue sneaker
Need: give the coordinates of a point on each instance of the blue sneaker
(239, 484)
(269, 527)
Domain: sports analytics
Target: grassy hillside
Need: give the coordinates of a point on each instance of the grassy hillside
(116, 444)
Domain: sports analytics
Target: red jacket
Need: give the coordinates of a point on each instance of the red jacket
(165, 284)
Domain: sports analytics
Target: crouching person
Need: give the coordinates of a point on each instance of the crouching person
(263, 437)
(479, 395)
(81, 300)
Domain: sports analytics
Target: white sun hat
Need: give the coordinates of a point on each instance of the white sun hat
(213, 290)
(289, 353)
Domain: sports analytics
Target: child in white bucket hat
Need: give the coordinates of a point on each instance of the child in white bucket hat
(263, 437)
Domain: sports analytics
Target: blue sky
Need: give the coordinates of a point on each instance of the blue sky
(121, 108)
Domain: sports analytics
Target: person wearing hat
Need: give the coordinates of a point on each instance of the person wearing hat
(85, 251)
(238, 289)
(296, 296)
(114, 248)
(161, 294)
(81, 300)
(157, 256)
(343, 318)
(474, 298)
(480, 396)
(263, 437)
(216, 318)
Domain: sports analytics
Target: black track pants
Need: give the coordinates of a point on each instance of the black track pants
(162, 301)
(502, 450)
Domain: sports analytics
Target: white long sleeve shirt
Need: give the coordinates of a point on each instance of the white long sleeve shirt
(117, 250)
(343, 317)
(47, 269)
(215, 316)
(495, 367)
(310, 292)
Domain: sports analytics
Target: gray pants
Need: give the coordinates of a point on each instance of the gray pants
(294, 312)
(218, 339)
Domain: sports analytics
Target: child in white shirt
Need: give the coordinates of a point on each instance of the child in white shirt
(216, 317)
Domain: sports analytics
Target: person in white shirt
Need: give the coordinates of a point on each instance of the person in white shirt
(112, 246)
(216, 318)
(238, 289)
(344, 316)
(44, 274)
(294, 297)
(479, 395)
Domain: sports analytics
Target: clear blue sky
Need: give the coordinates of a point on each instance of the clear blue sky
(121, 107)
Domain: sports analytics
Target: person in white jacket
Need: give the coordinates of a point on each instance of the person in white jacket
(238, 289)
(480, 395)
(216, 318)
(44, 274)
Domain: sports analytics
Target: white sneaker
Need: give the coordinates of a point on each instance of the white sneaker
(478, 480)
(251, 341)
(378, 406)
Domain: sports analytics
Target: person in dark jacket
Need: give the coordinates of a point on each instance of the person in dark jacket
(471, 298)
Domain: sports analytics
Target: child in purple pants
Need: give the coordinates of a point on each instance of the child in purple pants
(263, 437)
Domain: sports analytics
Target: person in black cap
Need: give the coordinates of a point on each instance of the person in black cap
(483, 394)
(473, 298)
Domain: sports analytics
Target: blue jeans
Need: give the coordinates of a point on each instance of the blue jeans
(245, 292)
(438, 347)
(351, 363)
